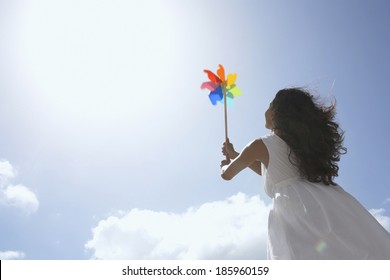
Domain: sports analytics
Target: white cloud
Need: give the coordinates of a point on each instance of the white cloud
(381, 218)
(11, 255)
(19, 195)
(235, 228)
(7, 171)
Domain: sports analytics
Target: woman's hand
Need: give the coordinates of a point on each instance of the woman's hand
(224, 162)
(228, 150)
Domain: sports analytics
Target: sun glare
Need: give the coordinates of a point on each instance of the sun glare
(96, 59)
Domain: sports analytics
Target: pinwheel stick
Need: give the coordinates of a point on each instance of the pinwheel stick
(229, 89)
(225, 110)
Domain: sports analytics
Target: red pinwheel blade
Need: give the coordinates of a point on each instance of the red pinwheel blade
(214, 78)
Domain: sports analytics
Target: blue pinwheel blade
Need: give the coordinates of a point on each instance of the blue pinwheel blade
(216, 95)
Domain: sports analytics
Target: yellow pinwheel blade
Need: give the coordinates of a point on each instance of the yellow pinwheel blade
(231, 79)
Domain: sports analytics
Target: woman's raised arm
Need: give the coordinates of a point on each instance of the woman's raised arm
(251, 156)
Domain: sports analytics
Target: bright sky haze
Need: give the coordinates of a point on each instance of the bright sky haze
(109, 148)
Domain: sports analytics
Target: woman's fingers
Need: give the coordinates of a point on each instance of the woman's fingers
(225, 162)
(224, 151)
(228, 149)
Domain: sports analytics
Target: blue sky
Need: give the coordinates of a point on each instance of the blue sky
(109, 148)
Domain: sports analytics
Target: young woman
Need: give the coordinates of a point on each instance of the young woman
(312, 217)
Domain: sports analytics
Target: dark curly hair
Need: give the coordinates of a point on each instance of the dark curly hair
(309, 128)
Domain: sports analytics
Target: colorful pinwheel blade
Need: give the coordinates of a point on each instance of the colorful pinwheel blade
(221, 73)
(231, 79)
(234, 90)
(216, 95)
(211, 86)
(229, 99)
(214, 78)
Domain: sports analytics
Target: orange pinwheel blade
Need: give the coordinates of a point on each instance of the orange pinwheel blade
(221, 73)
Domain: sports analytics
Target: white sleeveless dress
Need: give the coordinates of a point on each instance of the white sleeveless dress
(313, 220)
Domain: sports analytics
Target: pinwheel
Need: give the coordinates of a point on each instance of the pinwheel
(218, 86)
(222, 90)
